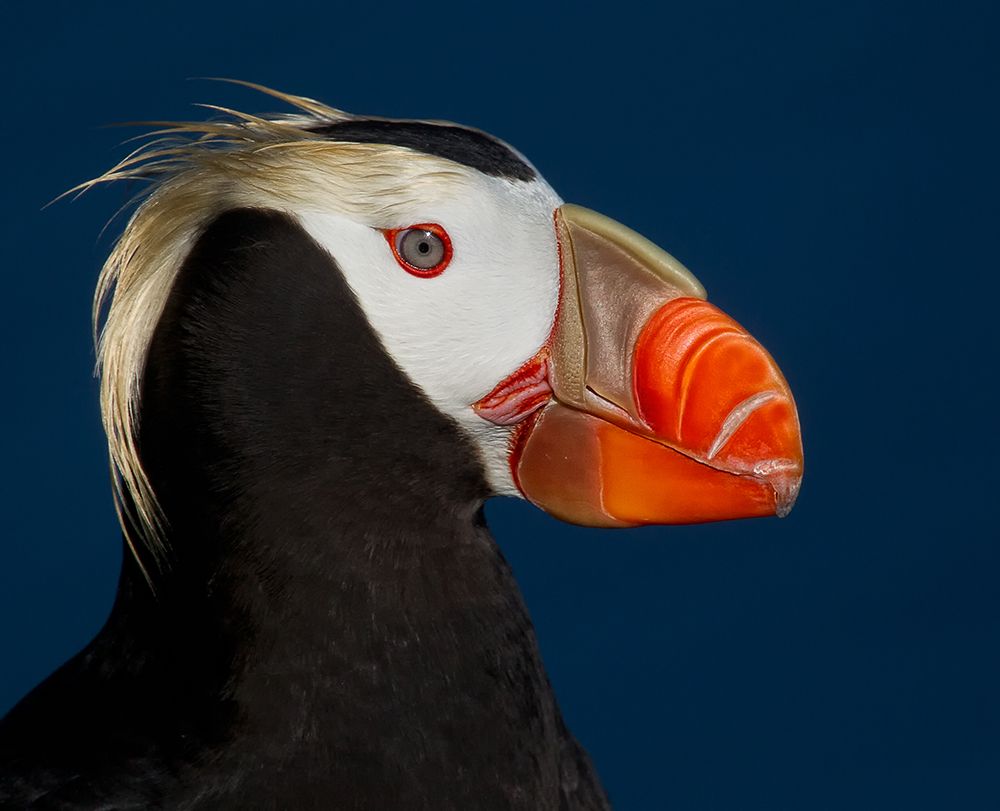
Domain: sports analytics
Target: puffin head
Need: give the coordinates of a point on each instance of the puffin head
(584, 364)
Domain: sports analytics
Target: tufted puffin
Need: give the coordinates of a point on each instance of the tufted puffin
(328, 340)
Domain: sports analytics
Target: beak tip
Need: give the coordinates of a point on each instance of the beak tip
(785, 479)
(783, 506)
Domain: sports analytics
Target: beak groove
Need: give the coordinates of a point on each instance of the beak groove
(735, 419)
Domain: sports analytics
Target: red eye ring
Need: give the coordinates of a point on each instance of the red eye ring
(395, 236)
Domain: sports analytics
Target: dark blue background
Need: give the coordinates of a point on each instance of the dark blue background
(828, 170)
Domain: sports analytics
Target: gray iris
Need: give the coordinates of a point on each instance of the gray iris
(422, 249)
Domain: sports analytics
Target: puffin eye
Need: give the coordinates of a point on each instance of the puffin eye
(423, 250)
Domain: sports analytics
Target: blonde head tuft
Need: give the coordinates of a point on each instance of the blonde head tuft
(197, 170)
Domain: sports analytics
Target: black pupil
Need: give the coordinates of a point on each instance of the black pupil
(423, 247)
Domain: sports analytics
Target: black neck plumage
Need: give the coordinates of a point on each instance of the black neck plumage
(333, 598)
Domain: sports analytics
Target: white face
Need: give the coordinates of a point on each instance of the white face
(458, 334)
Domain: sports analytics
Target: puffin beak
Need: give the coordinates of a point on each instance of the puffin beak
(648, 405)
